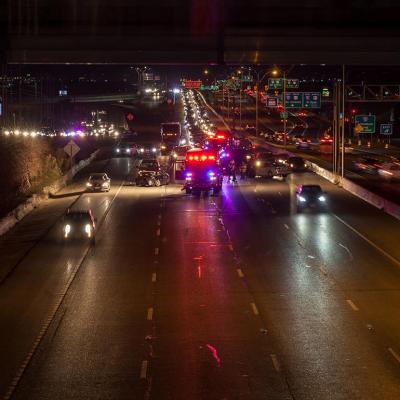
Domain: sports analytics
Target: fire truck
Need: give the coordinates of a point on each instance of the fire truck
(202, 173)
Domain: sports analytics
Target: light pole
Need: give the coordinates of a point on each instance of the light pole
(273, 72)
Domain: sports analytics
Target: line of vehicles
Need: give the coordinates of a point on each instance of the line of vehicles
(206, 154)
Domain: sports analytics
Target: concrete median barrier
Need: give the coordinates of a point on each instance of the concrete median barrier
(375, 200)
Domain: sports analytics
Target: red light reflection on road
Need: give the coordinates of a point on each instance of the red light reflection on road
(214, 354)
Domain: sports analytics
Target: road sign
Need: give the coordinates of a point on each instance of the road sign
(386, 129)
(367, 122)
(247, 78)
(71, 148)
(311, 100)
(275, 83)
(284, 114)
(292, 83)
(272, 101)
(294, 100)
(358, 128)
(130, 117)
(189, 84)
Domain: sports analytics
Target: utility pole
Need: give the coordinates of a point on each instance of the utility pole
(343, 116)
(284, 109)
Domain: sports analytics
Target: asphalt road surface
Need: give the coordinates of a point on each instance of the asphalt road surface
(229, 297)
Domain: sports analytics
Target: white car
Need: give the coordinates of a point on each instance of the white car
(390, 171)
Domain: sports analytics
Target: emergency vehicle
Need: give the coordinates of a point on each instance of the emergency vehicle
(202, 173)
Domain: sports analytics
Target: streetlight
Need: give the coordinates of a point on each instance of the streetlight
(269, 72)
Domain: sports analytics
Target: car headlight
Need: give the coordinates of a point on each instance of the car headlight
(127, 150)
(88, 184)
(88, 230)
(291, 165)
(142, 150)
(248, 157)
(117, 150)
(322, 198)
(258, 163)
(67, 230)
(175, 155)
(302, 199)
(104, 184)
(153, 149)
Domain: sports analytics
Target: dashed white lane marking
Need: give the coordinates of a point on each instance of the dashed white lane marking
(352, 305)
(275, 362)
(158, 231)
(230, 247)
(286, 226)
(150, 314)
(347, 250)
(394, 354)
(154, 277)
(159, 216)
(254, 308)
(240, 273)
(323, 270)
(158, 223)
(143, 369)
(370, 242)
(311, 256)
(156, 251)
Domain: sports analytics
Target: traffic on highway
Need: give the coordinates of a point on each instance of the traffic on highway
(197, 253)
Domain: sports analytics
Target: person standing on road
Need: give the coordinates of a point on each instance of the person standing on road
(232, 170)
(243, 170)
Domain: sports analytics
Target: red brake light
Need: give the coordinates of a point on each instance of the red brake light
(211, 157)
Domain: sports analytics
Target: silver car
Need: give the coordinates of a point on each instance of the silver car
(98, 182)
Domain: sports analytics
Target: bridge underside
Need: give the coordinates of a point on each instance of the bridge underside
(201, 32)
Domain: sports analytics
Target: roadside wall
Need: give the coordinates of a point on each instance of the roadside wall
(26, 207)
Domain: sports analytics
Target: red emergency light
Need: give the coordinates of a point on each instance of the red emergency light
(200, 156)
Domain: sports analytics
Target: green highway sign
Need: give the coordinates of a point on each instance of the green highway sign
(284, 114)
(366, 122)
(247, 78)
(292, 83)
(386, 129)
(311, 100)
(275, 83)
(210, 87)
(294, 100)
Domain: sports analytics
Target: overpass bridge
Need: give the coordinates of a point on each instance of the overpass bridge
(200, 31)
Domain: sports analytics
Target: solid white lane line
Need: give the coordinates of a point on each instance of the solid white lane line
(370, 242)
(153, 276)
(159, 216)
(158, 223)
(254, 308)
(275, 362)
(143, 369)
(156, 251)
(352, 305)
(394, 354)
(230, 247)
(158, 231)
(240, 273)
(150, 314)
(286, 226)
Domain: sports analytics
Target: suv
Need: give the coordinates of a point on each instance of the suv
(79, 224)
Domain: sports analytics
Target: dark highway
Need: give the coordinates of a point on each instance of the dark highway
(235, 296)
